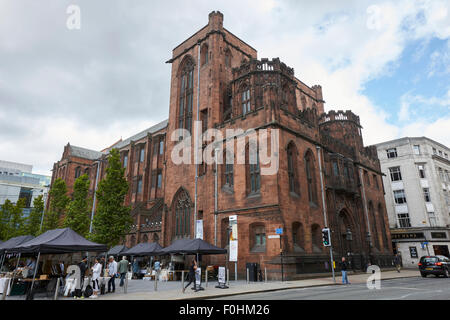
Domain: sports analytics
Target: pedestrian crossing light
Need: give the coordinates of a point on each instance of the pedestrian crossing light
(326, 237)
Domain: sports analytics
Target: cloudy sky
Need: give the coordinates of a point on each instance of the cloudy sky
(387, 61)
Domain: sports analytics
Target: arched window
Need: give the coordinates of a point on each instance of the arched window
(292, 168)
(245, 99)
(86, 171)
(225, 224)
(228, 172)
(252, 168)
(310, 177)
(228, 58)
(373, 218)
(186, 95)
(182, 214)
(133, 240)
(145, 238)
(304, 103)
(204, 55)
(298, 238)
(77, 172)
(155, 238)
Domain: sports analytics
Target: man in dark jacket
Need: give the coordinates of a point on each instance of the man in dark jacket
(83, 266)
(397, 262)
(344, 266)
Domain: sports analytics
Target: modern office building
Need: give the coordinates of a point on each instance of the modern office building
(17, 181)
(417, 182)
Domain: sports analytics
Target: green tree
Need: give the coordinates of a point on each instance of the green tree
(16, 225)
(5, 216)
(112, 219)
(33, 222)
(78, 217)
(58, 204)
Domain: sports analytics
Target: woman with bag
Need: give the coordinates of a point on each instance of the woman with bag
(96, 271)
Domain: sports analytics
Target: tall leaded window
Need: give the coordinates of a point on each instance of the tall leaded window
(228, 163)
(253, 172)
(374, 226)
(310, 177)
(182, 210)
(77, 172)
(292, 168)
(186, 96)
(204, 55)
(228, 58)
(245, 99)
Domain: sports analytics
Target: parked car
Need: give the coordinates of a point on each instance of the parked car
(437, 265)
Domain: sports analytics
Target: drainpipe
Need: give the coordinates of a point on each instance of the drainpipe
(216, 153)
(365, 208)
(195, 144)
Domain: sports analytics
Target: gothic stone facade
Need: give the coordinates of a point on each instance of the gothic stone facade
(238, 91)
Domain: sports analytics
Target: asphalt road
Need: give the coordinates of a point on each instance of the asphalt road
(416, 288)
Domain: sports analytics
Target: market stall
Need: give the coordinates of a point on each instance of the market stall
(58, 241)
(192, 247)
(144, 250)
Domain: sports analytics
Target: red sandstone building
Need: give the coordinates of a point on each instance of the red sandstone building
(238, 91)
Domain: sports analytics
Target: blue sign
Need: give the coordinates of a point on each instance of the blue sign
(279, 231)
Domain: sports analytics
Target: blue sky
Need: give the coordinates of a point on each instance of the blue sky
(415, 73)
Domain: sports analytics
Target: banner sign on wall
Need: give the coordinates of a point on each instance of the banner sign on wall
(233, 250)
(199, 229)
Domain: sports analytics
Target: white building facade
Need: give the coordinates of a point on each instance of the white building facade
(17, 181)
(417, 192)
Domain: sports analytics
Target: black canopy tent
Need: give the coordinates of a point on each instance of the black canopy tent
(193, 246)
(57, 241)
(117, 250)
(144, 249)
(8, 246)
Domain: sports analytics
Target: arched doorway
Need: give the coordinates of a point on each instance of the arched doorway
(348, 241)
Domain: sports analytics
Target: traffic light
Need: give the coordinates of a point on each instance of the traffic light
(326, 237)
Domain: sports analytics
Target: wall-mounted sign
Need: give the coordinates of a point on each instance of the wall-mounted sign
(233, 250)
(439, 235)
(413, 252)
(404, 236)
(274, 236)
(279, 231)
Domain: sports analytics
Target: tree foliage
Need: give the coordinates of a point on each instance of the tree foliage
(78, 211)
(5, 215)
(58, 204)
(112, 219)
(33, 222)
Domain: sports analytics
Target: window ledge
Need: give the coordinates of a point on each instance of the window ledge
(294, 194)
(258, 249)
(228, 189)
(254, 195)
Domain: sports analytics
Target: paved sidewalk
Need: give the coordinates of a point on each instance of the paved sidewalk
(172, 290)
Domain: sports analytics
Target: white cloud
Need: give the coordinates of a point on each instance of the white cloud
(96, 85)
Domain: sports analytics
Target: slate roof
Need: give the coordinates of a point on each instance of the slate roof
(84, 153)
(140, 135)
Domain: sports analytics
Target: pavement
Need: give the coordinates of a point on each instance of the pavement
(144, 290)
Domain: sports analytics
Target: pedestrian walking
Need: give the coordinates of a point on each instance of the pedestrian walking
(191, 275)
(123, 268)
(397, 262)
(112, 271)
(96, 271)
(344, 266)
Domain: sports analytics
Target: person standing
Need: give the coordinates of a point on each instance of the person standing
(96, 271)
(157, 267)
(123, 268)
(397, 262)
(344, 266)
(83, 266)
(191, 274)
(112, 270)
(135, 268)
